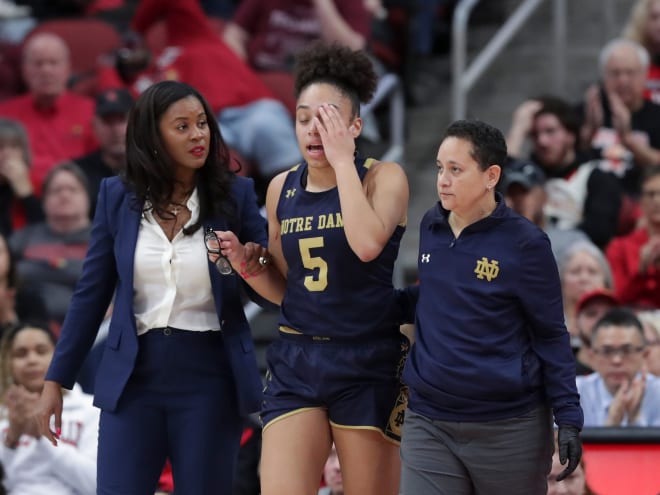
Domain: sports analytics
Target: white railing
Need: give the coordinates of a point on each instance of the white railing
(390, 91)
(464, 78)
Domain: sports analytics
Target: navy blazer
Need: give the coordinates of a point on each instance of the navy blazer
(108, 269)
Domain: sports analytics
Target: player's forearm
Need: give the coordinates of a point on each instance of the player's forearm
(366, 231)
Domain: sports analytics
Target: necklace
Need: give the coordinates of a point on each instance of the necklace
(175, 208)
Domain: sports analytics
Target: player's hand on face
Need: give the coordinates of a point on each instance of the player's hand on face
(336, 136)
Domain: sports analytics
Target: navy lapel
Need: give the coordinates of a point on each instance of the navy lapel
(127, 235)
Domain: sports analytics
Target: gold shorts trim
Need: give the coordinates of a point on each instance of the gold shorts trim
(289, 414)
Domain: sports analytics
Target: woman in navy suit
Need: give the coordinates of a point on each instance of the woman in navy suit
(178, 370)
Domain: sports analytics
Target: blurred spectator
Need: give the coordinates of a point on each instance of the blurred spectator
(619, 122)
(590, 308)
(49, 255)
(8, 315)
(32, 464)
(17, 199)
(620, 392)
(582, 268)
(523, 187)
(643, 27)
(268, 34)
(574, 484)
(635, 258)
(579, 194)
(57, 121)
(252, 121)
(651, 322)
(109, 124)
(334, 483)
(17, 304)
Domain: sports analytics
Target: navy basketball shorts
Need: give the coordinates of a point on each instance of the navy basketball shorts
(357, 383)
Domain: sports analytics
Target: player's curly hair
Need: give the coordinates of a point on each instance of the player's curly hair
(350, 71)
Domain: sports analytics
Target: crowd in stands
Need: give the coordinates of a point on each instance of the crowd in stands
(585, 169)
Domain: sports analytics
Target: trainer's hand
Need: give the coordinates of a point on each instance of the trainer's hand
(50, 404)
(570, 449)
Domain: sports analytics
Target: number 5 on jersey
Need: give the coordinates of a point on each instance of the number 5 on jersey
(312, 263)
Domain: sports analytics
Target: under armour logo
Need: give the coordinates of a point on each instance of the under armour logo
(290, 193)
(487, 269)
(426, 258)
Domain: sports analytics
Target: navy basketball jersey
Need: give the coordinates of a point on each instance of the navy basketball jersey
(330, 292)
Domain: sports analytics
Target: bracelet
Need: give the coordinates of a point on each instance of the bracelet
(263, 262)
(246, 275)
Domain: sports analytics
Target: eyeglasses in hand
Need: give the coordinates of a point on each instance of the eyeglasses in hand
(213, 247)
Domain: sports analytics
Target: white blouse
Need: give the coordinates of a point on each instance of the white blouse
(172, 285)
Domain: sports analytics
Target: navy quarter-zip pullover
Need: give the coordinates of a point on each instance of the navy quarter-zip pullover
(490, 337)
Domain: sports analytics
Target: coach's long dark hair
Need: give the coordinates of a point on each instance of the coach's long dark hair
(150, 170)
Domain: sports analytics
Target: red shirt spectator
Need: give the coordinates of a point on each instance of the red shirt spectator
(56, 133)
(58, 122)
(268, 34)
(254, 123)
(635, 287)
(277, 30)
(635, 258)
(194, 54)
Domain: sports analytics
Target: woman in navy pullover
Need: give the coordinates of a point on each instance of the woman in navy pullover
(492, 361)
